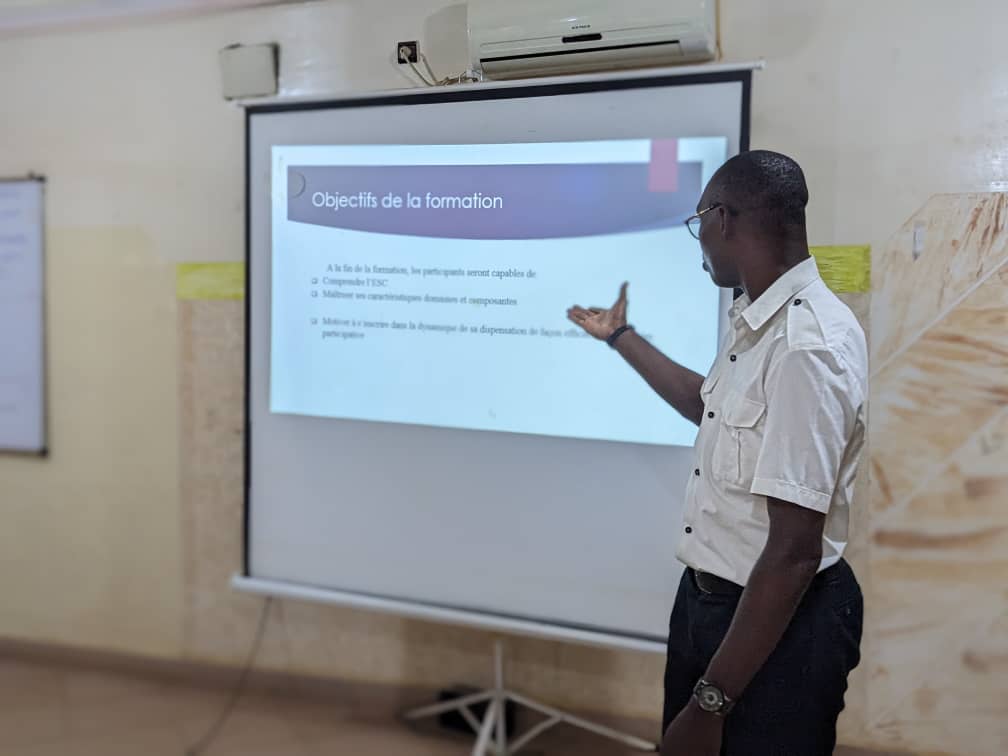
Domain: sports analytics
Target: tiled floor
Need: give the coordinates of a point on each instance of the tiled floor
(56, 711)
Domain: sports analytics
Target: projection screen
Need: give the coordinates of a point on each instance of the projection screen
(426, 432)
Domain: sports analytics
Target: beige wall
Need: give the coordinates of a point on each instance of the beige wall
(937, 662)
(124, 537)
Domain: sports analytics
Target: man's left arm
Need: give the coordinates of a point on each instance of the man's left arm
(805, 436)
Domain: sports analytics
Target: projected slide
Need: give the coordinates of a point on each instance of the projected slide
(428, 284)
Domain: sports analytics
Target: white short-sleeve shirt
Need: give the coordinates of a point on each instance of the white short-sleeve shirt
(784, 417)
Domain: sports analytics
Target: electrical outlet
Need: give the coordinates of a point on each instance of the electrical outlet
(408, 52)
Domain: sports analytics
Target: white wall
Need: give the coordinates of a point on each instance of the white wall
(145, 168)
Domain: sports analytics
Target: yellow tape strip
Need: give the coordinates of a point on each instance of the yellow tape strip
(846, 270)
(210, 280)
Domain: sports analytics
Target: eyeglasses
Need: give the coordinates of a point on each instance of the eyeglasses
(693, 222)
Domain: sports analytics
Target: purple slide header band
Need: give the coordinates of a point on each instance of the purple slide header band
(503, 202)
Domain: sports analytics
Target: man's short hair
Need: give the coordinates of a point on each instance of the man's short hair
(765, 183)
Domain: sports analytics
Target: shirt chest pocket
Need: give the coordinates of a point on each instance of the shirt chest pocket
(739, 440)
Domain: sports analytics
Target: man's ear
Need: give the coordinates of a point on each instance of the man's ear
(723, 216)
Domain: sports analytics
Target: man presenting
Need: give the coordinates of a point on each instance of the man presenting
(767, 620)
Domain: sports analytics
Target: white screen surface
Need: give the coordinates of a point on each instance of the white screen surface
(378, 464)
(374, 279)
(22, 322)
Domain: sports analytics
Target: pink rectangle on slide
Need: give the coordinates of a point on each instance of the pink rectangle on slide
(664, 175)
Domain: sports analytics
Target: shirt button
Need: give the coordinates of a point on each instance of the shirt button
(710, 415)
(697, 472)
(797, 302)
(689, 529)
(733, 358)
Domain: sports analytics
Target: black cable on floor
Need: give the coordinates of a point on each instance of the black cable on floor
(200, 746)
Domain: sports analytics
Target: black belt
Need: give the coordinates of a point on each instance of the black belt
(712, 584)
(718, 586)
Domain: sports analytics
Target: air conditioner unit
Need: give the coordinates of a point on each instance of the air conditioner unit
(517, 38)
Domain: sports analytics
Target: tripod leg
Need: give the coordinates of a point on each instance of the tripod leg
(502, 748)
(483, 741)
(502, 743)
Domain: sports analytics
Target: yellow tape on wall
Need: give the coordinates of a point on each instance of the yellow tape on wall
(210, 280)
(846, 270)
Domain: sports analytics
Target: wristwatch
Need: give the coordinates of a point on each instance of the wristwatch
(712, 699)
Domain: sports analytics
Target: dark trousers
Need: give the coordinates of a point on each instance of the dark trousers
(792, 705)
